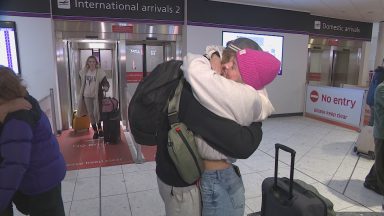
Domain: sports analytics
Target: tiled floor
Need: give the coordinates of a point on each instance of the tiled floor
(324, 159)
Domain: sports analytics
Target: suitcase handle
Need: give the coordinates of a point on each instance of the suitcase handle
(293, 153)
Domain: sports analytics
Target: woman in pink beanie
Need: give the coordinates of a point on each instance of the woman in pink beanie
(230, 83)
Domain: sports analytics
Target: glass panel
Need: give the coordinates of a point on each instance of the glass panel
(106, 60)
(78, 61)
(134, 66)
(340, 69)
(134, 61)
(106, 65)
(154, 56)
(84, 54)
(316, 69)
(315, 62)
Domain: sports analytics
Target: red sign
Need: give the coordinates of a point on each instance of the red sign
(133, 77)
(333, 42)
(122, 29)
(314, 76)
(314, 96)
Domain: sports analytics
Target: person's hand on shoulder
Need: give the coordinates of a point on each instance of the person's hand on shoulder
(215, 62)
(210, 50)
(12, 106)
(214, 54)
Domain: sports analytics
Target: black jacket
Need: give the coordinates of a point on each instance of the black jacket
(224, 135)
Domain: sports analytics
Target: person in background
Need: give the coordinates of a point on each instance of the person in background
(31, 164)
(377, 78)
(93, 79)
(375, 178)
(238, 95)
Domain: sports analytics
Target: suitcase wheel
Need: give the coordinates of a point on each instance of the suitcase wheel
(371, 155)
(355, 149)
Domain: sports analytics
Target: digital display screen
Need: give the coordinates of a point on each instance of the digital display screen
(8, 46)
(269, 43)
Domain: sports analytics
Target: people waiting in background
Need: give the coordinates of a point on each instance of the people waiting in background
(31, 164)
(92, 79)
(377, 78)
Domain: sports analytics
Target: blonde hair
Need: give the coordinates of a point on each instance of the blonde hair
(11, 85)
(86, 66)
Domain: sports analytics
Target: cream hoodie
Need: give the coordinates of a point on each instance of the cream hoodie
(224, 97)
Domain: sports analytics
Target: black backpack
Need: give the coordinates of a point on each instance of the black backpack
(147, 109)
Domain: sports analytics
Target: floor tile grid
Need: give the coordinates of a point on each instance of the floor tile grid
(253, 202)
(250, 201)
(310, 176)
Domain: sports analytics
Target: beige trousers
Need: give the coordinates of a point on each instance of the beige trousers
(180, 201)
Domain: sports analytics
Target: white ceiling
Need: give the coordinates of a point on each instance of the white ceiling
(356, 10)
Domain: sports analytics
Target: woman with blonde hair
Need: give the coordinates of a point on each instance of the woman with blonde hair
(31, 165)
(93, 80)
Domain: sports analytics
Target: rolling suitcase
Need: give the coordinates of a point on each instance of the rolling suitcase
(365, 144)
(283, 196)
(111, 125)
(111, 120)
(80, 123)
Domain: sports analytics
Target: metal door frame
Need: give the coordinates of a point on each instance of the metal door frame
(148, 33)
(354, 47)
(79, 45)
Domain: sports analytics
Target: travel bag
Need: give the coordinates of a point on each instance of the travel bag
(288, 197)
(80, 123)
(182, 146)
(365, 144)
(111, 127)
(110, 115)
(147, 110)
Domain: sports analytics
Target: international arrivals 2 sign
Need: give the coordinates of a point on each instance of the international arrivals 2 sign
(145, 10)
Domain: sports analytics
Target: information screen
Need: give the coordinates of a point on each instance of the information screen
(269, 43)
(8, 46)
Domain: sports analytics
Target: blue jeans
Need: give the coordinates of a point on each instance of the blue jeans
(222, 193)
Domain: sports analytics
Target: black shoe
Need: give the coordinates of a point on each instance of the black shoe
(372, 187)
(95, 135)
(101, 134)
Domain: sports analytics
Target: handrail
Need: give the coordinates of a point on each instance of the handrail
(47, 105)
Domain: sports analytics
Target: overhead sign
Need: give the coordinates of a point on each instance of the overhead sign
(341, 28)
(231, 15)
(40, 8)
(221, 14)
(165, 10)
(342, 105)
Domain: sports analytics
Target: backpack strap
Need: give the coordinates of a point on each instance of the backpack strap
(173, 104)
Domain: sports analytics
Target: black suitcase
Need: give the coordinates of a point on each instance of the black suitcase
(111, 125)
(283, 196)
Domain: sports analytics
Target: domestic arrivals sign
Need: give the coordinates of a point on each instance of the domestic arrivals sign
(341, 28)
(342, 105)
(165, 10)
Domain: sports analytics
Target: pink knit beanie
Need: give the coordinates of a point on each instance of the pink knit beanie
(257, 68)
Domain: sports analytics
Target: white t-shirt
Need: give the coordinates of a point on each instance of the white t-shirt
(90, 84)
